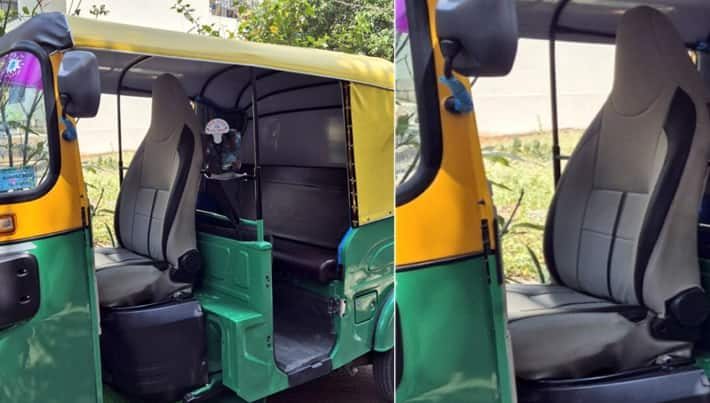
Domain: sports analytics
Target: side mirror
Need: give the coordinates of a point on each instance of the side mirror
(79, 84)
(478, 37)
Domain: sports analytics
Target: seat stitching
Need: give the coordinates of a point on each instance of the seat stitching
(615, 229)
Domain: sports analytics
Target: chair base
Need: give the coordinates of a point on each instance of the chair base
(678, 384)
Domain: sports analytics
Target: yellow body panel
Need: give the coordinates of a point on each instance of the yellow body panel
(373, 142)
(59, 209)
(445, 220)
(93, 34)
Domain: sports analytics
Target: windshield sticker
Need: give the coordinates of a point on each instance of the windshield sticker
(17, 178)
(21, 69)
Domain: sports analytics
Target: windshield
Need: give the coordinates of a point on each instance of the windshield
(24, 149)
(408, 144)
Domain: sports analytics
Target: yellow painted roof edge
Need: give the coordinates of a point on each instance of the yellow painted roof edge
(94, 34)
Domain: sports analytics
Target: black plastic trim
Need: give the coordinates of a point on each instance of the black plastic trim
(186, 149)
(679, 127)
(426, 88)
(19, 287)
(51, 119)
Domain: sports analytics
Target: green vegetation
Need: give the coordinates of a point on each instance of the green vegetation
(522, 165)
(516, 163)
(101, 177)
(353, 26)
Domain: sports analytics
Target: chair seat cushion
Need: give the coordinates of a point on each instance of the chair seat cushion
(107, 257)
(309, 261)
(131, 285)
(558, 333)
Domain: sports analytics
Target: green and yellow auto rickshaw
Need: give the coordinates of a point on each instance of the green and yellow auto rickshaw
(254, 230)
(624, 317)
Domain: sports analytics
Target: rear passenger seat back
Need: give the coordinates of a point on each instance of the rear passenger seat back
(304, 181)
(306, 214)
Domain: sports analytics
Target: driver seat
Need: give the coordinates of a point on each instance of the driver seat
(621, 234)
(155, 212)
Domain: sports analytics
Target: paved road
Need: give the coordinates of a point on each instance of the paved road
(338, 387)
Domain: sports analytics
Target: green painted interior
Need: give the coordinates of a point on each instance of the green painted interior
(236, 295)
(59, 357)
(452, 348)
(367, 256)
(702, 356)
(52, 357)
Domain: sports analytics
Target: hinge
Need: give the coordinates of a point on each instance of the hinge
(486, 239)
(336, 306)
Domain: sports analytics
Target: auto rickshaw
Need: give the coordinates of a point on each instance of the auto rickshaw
(254, 227)
(624, 317)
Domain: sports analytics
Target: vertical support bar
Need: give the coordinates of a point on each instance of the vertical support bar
(255, 133)
(120, 134)
(556, 165)
(119, 87)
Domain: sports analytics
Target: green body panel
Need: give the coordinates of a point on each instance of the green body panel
(702, 357)
(365, 306)
(453, 347)
(384, 330)
(367, 257)
(53, 356)
(236, 295)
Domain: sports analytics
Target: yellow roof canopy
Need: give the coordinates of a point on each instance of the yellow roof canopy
(119, 45)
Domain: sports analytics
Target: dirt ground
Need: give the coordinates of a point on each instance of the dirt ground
(338, 387)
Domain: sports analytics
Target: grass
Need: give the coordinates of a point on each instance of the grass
(101, 177)
(527, 167)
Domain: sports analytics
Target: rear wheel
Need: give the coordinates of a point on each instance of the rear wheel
(383, 371)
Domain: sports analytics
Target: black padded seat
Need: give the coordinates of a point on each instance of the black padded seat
(620, 239)
(309, 261)
(533, 300)
(108, 257)
(572, 334)
(155, 213)
(136, 284)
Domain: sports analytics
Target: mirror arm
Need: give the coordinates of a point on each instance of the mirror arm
(69, 132)
(460, 100)
(64, 101)
(449, 49)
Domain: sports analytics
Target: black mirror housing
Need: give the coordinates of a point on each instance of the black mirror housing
(481, 36)
(80, 84)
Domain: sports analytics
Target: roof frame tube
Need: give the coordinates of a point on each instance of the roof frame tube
(119, 87)
(554, 25)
